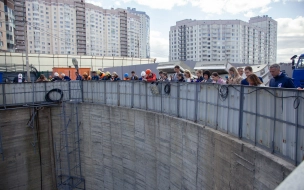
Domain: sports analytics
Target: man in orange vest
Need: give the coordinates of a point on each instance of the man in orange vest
(150, 77)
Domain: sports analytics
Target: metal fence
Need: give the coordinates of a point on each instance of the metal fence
(269, 118)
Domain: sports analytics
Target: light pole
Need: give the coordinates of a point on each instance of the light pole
(26, 53)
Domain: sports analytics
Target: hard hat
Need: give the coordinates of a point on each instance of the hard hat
(143, 73)
(19, 76)
(148, 71)
(85, 73)
(126, 75)
(56, 74)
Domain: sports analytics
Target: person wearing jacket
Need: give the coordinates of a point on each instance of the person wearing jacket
(279, 80)
(56, 77)
(188, 76)
(107, 76)
(143, 75)
(126, 76)
(134, 76)
(253, 80)
(217, 79)
(150, 77)
(78, 76)
(180, 77)
(249, 71)
(199, 74)
(234, 76)
(42, 78)
(115, 77)
(86, 76)
(65, 78)
(95, 76)
(206, 76)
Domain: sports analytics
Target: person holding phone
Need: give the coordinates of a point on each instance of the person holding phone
(234, 76)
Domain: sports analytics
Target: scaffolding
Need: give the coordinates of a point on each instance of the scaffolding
(67, 149)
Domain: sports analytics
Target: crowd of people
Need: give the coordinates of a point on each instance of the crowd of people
(235, 77)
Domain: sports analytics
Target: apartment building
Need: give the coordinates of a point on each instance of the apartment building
(235, 41)
(9, 24)
(3, 46)
(144, 32)
(271, 27)
(75, 27)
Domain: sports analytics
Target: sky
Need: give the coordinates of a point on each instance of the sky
(164, 13)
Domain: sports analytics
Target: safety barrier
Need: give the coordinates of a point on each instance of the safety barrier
(266, 117)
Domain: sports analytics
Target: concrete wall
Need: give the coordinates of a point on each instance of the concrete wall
(125, 148)
(136, 149)
(22, 167)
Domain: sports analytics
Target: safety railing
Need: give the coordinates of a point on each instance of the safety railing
(269, 118)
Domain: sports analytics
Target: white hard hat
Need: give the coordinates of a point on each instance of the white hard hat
(143, 73)
(56, 74)
(19, 76)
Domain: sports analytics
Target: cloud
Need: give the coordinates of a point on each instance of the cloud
(290, 38)
(265, 9)
(159, 46)
(160, 4)
(249, 14)
(95, 2)
(117, 3)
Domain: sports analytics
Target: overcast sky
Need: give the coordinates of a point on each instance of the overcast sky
(164, 13)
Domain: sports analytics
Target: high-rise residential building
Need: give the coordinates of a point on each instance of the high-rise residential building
(235, 41)
(75, 27)
(270, 26)
(20, 19)
(144, 32)
(10, 24)
(3, 46)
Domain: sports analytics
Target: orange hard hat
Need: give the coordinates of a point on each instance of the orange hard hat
(148, 71)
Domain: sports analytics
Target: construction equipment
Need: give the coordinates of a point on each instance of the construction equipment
(298, 71)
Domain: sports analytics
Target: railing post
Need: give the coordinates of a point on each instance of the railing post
(118, 93)
(161, 97)
(146, 86)
(81, 88)
(132, 96)
(274, 123)
(196, 102)
(297, 132)
(69, 89)
(4, 96)
(177, 98)
(105, 91)
(241, 112)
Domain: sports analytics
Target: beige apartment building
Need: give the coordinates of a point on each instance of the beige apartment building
(78, 28)
(3, 41)
(234, 41)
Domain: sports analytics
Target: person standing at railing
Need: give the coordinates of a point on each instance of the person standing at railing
(150, 77)
(217, 79)
(240, 71)
(78, 76)
(175, 75)
(50, 78)
(199, 74)
(95, 76)
(19, 79)
(279, 80)
(234, 76)
(188, 76)
(253, 80)
(134, 76)
(161, 75)
(86, 76)
(115, 77)
(56, 78)
(107, 76)
(249, 71)
(126, 76)
(65, 78)
(143, 75)
(206, 76)
(181, 78)
(42, 78)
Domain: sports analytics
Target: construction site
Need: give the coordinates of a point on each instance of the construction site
(129, 135)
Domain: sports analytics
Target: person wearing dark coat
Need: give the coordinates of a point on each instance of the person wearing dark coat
(279, 80)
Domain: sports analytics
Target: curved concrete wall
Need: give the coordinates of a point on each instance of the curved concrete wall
(135, 149)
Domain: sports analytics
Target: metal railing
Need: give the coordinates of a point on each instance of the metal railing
(269, 118)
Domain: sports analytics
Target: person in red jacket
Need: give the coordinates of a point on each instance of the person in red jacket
(150, 77)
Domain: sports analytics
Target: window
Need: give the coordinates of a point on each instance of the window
(1, 43)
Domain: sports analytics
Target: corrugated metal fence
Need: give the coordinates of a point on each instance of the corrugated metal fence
(266, 117)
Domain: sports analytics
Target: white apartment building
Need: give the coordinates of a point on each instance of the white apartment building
(235, 41)
(3, 43)
(144, 32)
(75, 27)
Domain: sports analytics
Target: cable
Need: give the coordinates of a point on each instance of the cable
(167, 88)
(47, 96)
(223, 92)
